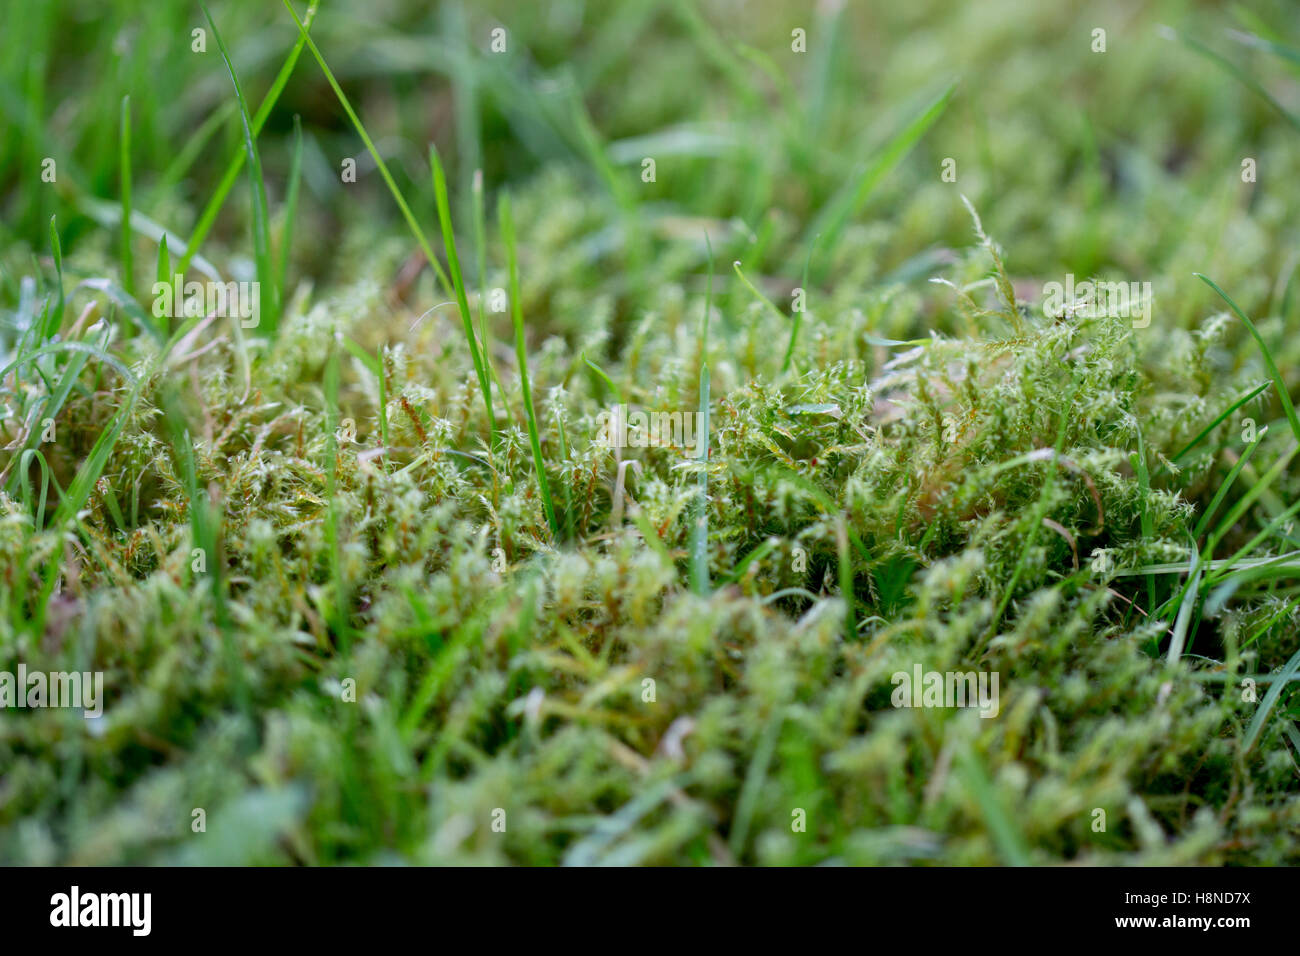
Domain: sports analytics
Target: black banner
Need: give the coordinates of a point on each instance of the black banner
(339, 905)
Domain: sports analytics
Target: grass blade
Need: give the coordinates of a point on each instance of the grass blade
(1224, 487)
(1266, 705)
(164, 277)
(208, 217)
(339, 604)
(124, 156)
(521, 351)
(55, 318)
(480, 255)
(1240, 75)
(261, 223)
(771, 305)
(604, 377)
(841, 207)
(1186, 604)
(798, 313)
(374, 153)
(1248, 499)
(1006, 836)
(458, 282)
(1280, 382)
(1200, 436)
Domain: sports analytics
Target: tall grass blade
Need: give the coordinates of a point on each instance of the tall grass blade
(208, 217)
(1278, 380)
(1266, 705)
(521, 352)
(124, 158)
(458, 282)
(374, 153)
(830, 221)
(257, 185)
(55, 319)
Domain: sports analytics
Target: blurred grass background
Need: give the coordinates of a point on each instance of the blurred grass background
(1117, 159)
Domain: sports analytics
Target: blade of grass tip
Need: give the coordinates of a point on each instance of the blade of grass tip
(798, 313)
(1271, 698)
(759, 295)
(609, 382)
(651, 537)
(290, 208)
(402, 204)
(521, 354)
(164, 273)
(164, 277)
(1280, 382)
(699, 567)
(458, 281)
(261, 221)
(884, 343)
(55, 320)
(124, 158)
(208, 217)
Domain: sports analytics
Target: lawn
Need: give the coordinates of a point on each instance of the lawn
(668, 432)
